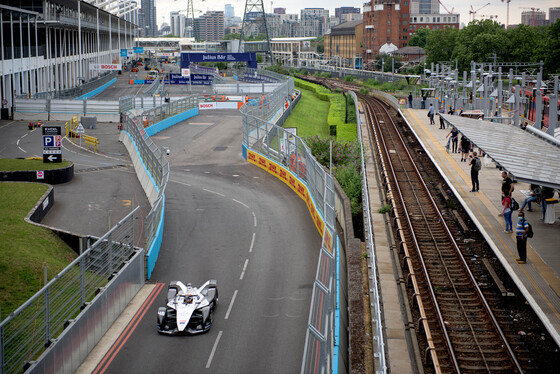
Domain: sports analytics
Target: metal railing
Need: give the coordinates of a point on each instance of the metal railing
(150, 89)
(157, 114)
(26, 332)
(75, 91)
(263, 136)
(375, 303)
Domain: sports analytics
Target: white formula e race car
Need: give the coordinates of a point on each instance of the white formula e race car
(189, 309)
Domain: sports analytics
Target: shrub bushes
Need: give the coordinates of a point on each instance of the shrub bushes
(337, 109)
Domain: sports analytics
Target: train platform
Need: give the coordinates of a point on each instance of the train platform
(539, 278)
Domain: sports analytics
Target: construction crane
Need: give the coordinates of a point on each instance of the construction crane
(444, 7)
(533, 10)
(473, 12)
(507, 2)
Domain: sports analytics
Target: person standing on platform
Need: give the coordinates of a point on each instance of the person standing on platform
(441, 121)
(454, 134)
(423, 102)
(431, 113)
(507, 185)
(410, 100)
(521, 231)
(465, 148)
(475, 165)
(506, 213)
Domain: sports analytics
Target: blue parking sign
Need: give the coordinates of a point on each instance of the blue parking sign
(48, 141)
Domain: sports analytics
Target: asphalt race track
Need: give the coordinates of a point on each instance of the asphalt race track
(230, 221)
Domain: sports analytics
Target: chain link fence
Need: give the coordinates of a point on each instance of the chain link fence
(34, 326)
(263, 136)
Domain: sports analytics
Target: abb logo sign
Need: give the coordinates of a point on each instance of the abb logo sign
(207, 106)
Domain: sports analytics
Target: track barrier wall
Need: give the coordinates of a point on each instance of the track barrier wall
(150, 164)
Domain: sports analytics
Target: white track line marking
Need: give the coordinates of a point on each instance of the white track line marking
(239, 202)
(214, 192)
(182, 183)
(214, 350)
(7, 124)
(23, 150)
(231, 304)
(244, 268)
(252, 243)
(17, 143)
(254, 218)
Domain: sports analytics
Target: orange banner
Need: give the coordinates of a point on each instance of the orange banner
(295, 184)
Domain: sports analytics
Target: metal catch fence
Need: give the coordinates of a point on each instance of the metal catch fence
(262, 135)
(157, 114)
(26, 332)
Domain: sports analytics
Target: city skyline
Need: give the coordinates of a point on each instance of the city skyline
(496, 7)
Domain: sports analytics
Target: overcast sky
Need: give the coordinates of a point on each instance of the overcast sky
(496, 7)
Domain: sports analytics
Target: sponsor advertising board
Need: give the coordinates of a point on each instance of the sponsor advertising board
(105, 66)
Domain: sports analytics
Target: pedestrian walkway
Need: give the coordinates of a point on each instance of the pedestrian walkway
(539, 278)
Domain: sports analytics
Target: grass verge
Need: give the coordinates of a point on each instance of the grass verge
(24, 248)
(309, 116)
(16, 164)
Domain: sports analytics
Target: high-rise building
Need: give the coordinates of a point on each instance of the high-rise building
(314, 13)
(338, 12)
(229, 11)
(424, 6)
(178, 23)
(210, 26)
(149, 26)
(553, 15)
(533, 18)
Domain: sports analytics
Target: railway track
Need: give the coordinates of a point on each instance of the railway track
(461, 333)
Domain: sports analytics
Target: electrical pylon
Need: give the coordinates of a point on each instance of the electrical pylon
(255, 23)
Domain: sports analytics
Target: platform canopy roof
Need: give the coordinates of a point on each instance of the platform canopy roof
(529, 157)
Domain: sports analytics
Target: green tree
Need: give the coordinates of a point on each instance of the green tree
(384, 61)
(440, 45)
(523, 43)
(549, 50)
(232, 36)
(478, 42)
(420, 37)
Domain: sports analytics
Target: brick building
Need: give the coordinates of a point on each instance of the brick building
(385, 21)
(395, 21)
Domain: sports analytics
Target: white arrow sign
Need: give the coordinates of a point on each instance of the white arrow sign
(51, 158)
